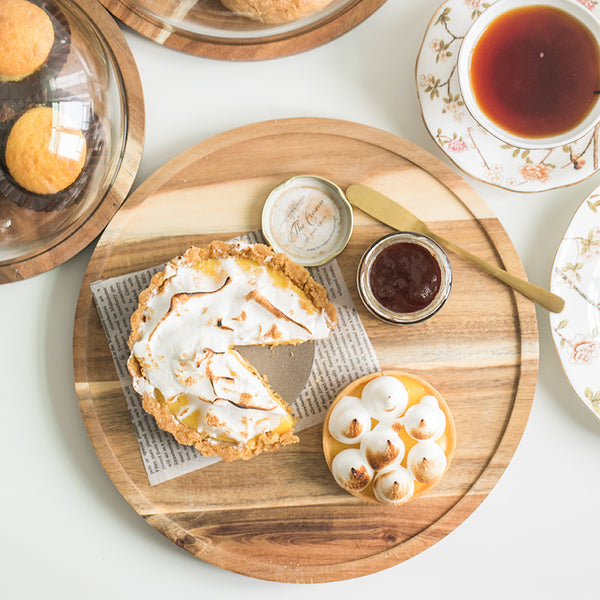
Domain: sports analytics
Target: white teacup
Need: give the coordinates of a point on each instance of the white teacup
(577, 11)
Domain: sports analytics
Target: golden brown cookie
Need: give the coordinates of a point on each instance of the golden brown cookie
(26, 38)
(43, 155)
(275, 11)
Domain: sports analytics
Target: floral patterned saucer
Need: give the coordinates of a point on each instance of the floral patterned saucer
(576, 277)
(469, 146)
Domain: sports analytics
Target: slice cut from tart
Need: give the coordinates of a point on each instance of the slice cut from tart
(188, 321)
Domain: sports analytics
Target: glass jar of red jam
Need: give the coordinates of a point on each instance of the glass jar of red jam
(404, 278)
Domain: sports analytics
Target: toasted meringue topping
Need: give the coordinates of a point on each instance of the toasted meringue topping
(394, 486)
(385, 397)
(382, 446)
(349, 421)
(426, 461)
(184, 341)
(402, 466)
(425, 420)
(351, 470)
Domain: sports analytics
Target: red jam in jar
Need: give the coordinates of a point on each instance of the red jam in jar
(405, 277)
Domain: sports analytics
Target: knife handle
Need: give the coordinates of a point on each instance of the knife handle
(543, 297)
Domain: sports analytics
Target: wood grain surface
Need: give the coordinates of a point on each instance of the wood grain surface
(281, 516)
(80, 231)
(207, 28)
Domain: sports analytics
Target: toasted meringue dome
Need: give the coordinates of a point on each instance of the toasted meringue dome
(385, 397)
(426, 461)
(394, 486)
(425, 420)
(382, 446)
(349, 421)
(351, 471)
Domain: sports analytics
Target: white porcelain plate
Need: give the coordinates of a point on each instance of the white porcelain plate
(576, 277)
(470, 147)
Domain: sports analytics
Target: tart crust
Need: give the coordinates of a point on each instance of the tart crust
(154, 403)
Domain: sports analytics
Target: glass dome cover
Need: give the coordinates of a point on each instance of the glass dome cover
(71, 132)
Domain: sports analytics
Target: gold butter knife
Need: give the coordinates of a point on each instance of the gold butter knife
(391, 213)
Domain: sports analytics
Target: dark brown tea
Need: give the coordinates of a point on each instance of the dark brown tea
(535, 71)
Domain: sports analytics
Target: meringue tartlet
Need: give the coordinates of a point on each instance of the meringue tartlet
(404, 447)
(184, 332)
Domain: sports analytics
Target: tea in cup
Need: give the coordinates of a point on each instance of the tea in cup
(529, 71)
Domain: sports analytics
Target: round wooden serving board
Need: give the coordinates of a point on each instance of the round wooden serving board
(207, 28)
(281, 516)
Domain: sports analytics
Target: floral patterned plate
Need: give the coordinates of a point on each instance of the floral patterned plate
(469, 146)
(576, 277)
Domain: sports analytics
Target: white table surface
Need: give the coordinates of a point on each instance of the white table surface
(67, 532)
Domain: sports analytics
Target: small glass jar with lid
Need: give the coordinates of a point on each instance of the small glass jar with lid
(404, 278)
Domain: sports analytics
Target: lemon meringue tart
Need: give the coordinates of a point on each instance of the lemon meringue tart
(389, 437)
(184, 332)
